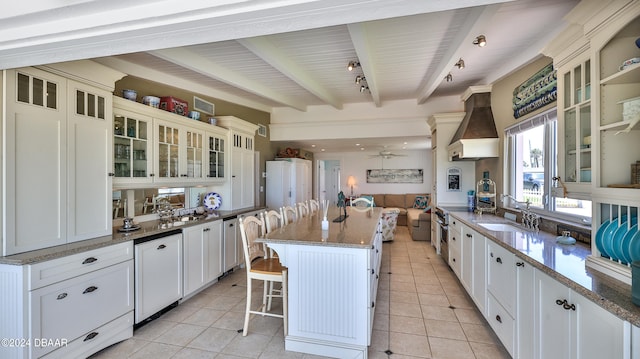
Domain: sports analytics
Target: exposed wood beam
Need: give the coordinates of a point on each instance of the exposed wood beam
(477, 20)
(192, 61)
(361, 45)
(175, 81)
(269, 53)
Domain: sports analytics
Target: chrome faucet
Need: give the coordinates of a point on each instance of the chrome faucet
(530, 219)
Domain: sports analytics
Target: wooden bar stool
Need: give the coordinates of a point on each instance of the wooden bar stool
(259, 267)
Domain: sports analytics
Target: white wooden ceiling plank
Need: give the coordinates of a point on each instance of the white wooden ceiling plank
(477, 20)
(197, 63)
(264, 49)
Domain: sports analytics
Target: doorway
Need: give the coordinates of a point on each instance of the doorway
(328, 180)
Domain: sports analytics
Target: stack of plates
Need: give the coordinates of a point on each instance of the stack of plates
(619, 239)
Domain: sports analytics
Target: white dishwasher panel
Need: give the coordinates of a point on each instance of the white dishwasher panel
(158, 275)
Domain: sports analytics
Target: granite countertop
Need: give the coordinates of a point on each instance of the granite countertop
(565, 263)
(355, 232)
(146, 229)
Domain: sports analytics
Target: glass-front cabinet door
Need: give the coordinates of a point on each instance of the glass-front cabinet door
(215, 152)
(576, 125)
(168, 151)
(131, 147)
(195, 155)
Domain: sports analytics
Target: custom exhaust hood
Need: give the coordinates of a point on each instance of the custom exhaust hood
(477, 136)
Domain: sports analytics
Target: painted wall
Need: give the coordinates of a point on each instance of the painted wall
(501, 105)
(357, 163)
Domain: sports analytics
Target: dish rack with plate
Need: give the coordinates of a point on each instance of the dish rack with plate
(617, 239)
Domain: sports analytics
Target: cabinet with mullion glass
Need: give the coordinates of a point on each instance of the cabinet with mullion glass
(576, 122)
(131, 147)
(168, 151)
(216, 153)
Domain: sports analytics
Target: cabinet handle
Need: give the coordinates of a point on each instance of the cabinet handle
(151, 175)
(520, 264)
(61, 296)
(183, 176)
(454, 222)
(491, 254)
(162, 246)
(454, 238)
(206, 229)
(499, 260)
(89, 260)
(567, 306)
(560, 302)
(453, 259)
(498, 319)
(373, 271)
(469, 236)
(93, 288)
(111, 174)
(373, 304)
(90, 336)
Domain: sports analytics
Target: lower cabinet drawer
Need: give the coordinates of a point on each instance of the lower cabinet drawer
(95, 340)
(455, 260)
(501, 322)
(68, 309)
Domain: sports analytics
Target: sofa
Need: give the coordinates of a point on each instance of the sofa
(417, 217)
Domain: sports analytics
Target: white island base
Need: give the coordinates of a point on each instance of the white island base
(332, 283)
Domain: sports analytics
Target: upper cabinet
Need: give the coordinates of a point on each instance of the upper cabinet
(575, 123)
(619, 115)
(156, 147)
(57, 155)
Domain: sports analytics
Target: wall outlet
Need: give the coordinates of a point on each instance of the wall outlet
(261, 188)
(264, 174)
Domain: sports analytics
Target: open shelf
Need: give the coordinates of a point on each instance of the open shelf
(629, 75)
(619, 126)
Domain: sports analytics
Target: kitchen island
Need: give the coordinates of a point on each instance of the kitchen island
(333, 281)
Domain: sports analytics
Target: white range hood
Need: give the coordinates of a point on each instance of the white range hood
(477, 136)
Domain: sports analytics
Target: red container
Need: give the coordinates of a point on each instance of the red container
(175, 105)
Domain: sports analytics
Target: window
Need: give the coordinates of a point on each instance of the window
(532, 152)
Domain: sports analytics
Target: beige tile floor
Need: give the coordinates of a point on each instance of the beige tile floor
(422, 311)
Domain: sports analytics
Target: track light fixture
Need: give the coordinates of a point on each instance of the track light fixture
(449, 77)
(352, 65)
(359, 79)
(480, 41)
(460, 64)
(364, 88)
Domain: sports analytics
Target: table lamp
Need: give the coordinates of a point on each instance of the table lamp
(351, 181)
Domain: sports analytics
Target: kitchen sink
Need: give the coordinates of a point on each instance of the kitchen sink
(500, 227)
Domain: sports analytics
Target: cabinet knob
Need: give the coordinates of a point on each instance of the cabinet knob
(111, 174)
(453, 259)
(162, 246)
(499, 260)
(491, 254)
(454, 238)
(151, 175)
(89, 260)
(498, 319)
(90, 336)
(93, 288)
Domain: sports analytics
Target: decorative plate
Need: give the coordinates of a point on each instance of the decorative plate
(607, 239)
(633, 237)
(212, 201)
(618, 248)
(599, 234)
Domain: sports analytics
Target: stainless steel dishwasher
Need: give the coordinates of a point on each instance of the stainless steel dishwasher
(158, 273)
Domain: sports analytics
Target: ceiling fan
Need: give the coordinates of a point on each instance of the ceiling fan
(386, 154)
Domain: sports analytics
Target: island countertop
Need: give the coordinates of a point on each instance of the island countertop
(355, 231)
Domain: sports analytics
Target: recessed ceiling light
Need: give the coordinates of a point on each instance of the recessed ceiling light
(361, 148)
(405, 143)
(357, 144)
(322, 149)
(313, 145)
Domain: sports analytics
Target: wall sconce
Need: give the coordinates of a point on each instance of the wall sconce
(460, 64)
(352, 65)
(359, 79)
(351, 181)
(449, 77)
(480, 41)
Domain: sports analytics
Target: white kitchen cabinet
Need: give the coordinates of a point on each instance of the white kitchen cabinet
(525, 302)
(95, 287)
(202, 256)
(455, 248)
(158, 275)
(288, 182)
(501, 275)
(230, 247)
(57, 146)
(238, 192)
(477, 266)
(153, 147)
(466, 258)
(574, 124)
(567, 325)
